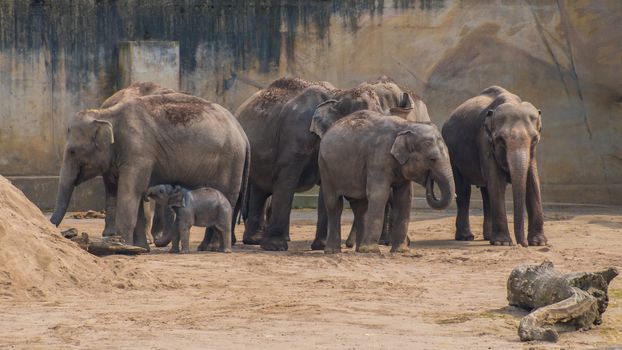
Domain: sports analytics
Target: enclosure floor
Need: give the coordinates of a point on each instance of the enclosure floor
(443, 295)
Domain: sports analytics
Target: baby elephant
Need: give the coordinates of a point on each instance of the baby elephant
(204, 207)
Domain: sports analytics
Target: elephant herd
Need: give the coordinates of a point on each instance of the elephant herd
(366, 144)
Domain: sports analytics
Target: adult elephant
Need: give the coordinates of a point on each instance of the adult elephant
(492, 141)
(164, 138)
(397, 101)
(284, 151)
(370, 159)
(159, 219)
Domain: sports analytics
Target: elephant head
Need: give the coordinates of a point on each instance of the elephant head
(172, 196)
(424, 159)
(513, 131)
(397, 101)
(88, 153)
(343, 103)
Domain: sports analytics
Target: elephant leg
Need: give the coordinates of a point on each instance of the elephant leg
(148, 209)
(334, 208)
(535, 231)
(110, 189)
(184, 238)
(140, 230)
(321, 227)
(496, 190)
(400, 216)
(377, 197)
(487, 213)
(132, 183)
(285, 185)
(253, 230)
(352, 236)
(359, 208)
(223, 229)
(175, 238)
(385, 236)
(463, 198)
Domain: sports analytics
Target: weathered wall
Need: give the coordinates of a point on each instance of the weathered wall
(57, 57)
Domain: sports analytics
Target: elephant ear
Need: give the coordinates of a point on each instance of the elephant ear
(488, 124)
(104, 133)
(403, 145)
(405, 109)
(407, 101)
(323, 117)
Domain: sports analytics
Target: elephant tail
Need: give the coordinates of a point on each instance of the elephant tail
(241, 206)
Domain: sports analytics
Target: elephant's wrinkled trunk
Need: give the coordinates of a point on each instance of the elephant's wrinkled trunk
(67, 181)
(443, 176)
(518, 163)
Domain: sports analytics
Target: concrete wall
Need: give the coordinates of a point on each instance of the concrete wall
(57, 57)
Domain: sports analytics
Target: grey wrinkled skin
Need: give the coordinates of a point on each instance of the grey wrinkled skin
(146, 140)
(576, 298)
(284, 146)
(371, 159)
(158, 219)
(205, 207)
(492, 141)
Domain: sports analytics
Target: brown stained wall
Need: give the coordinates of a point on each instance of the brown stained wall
(57, 57)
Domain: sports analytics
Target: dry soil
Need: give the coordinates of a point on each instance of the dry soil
(444, 295)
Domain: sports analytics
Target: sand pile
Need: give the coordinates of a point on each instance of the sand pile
(35, 261)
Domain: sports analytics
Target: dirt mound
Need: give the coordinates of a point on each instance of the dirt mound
(36, 262)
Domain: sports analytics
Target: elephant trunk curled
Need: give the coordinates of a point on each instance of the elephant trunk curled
(443, 176)
(67, 181)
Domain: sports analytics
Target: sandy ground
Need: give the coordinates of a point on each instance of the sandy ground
(444, 295)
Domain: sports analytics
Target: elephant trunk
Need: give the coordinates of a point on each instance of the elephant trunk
(443, 176)
(67, 181)
(518, 164)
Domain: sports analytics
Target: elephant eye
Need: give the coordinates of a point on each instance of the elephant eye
(500, 141)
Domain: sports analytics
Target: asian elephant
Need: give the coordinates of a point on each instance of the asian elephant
(400, 102)
(371, 159)
(284, 151)
(492, 141)
(205, 207)
(142, 141)
(159, 219)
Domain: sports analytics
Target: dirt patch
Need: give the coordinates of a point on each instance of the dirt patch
(37, 263)
(444, 295)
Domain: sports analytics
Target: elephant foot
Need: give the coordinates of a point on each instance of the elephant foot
(350, 242)
(402, 249)
(173, 250)
(501, 241)
(254, 239)
(109, 232)
(318, 244)
(464, 235)
(226, 250)
(213, 246)
(537, 239)
(332, 250)
(276, 244)
(202, 247)
(367, 248)
(384, 241)
(185, 251)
